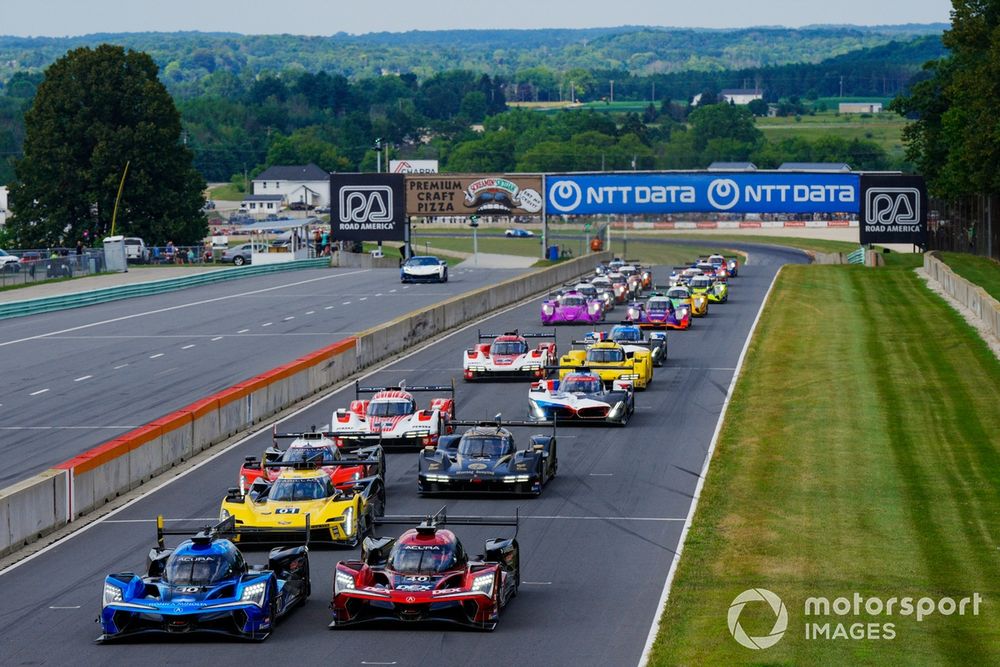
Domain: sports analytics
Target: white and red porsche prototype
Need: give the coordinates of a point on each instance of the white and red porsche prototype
(509, 356)
(392, 419)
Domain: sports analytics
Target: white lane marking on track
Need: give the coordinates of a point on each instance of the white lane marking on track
(120, 367)
(392, 291)
(290, 317)
(187, 347)
(107, 517)
(197, 518)
(74, 607)
(82, 378)
(346, 303)
(602, 474)
(379, 294)
(267, 324)
(242, 331)
(328, 308)
(366, 662)
(178, 307)
(665, 595)
(36, 393)
(156, 356)
(364, 298)
(537, 583)
(310, 312)
(216, 338)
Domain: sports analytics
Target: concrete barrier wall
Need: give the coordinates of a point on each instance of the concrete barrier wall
(970, 295)
(364, 260)
(49, 500)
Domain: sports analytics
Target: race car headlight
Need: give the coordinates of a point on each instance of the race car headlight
(348, 519)
(682, 313)
(483, 584)
(537, 411)
(512, 479)
(112, 594)
(548, 309)
(617, 411)
(732, 265)
(355, 476)
(343, 582)
(633, 313)
(594, 307)
(224, 514)
(254, 593)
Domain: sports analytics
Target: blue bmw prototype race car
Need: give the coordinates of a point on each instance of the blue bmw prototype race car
(204, 585)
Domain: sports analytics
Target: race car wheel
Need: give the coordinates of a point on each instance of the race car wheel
(308, 585)
(444, 278)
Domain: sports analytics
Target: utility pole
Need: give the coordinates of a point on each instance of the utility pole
(378, 155)
(652, 97)
(612, 91)
(841, 85)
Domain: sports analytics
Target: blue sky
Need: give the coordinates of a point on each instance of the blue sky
(325, 17)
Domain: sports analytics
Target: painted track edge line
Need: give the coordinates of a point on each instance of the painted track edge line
(348, 382)
(665, 595)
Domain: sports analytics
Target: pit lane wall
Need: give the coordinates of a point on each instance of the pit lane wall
(45, 502)
(972, 296)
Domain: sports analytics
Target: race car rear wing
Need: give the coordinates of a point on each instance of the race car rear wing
(431, 522)
(222, 529)
(499, 422)
(402, 386)
(533, 334)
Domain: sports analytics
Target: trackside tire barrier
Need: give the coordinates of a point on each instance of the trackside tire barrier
(57, 496)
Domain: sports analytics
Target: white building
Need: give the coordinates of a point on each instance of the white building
(298, 185)
(262, 205)
(739, 96)
(860, 107)
(3, 205)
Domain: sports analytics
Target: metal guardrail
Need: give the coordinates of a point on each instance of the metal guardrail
(80, 299)
(857, 257)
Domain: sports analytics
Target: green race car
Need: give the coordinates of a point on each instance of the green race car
(716, 290)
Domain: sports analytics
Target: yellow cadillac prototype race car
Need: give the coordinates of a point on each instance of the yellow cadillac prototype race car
(682, 297)
(611, 361)
(306, 499)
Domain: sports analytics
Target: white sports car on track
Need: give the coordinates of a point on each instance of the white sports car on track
(424, 269)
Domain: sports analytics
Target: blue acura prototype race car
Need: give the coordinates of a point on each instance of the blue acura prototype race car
(204, 585)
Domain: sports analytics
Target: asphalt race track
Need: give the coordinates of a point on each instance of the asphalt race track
(76, 378)
(595, 547)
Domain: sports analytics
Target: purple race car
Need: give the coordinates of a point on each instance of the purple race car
(572, 307)
(658, 313)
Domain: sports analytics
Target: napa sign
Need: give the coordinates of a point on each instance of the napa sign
(657, 193)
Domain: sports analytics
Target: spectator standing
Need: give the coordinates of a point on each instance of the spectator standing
(170, 252)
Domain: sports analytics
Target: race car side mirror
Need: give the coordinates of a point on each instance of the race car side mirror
(538, 448)
(233, 495)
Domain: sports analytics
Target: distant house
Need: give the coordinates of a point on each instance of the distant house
(732, 166)
(3, 205)
(298, 185)
(260, 205)
(860, 107)
(836, 167)
(739, 96)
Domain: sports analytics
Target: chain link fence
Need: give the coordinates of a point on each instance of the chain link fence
(39, 266)
(965, 225)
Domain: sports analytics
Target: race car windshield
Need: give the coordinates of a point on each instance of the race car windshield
(192, 570)
(389, 408)
(300, 489)
(509, 347)
(483, 447)
(423, 559)
(625, 334)
(605, 356)
(586, 385)
(659, 304)
(678, 294)
(422, 261)
(572, 301)
(701, 281)
(309, 455)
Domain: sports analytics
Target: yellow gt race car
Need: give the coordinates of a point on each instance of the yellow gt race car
(611, 361)
(306, 499)
(683, 298)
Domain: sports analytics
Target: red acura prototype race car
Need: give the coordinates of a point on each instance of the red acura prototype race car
(317, 449)
(509, 355)
(390, 418)
(426, 575)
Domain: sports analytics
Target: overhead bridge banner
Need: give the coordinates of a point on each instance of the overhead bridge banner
(657, 193)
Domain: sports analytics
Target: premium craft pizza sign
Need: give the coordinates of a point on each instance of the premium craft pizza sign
(466, 195)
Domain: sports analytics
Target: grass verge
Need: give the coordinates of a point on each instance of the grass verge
(859, 454)
(978, 270)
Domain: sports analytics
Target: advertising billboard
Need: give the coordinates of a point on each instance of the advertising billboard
(413, 166)
(893, 209)
(659, 193)
(466, 194)
(367, 207)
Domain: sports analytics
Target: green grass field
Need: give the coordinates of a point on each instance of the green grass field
(885, 128)
(979, 270)
(817, 245)
(531, 247)
(859, 454)
(226, 192)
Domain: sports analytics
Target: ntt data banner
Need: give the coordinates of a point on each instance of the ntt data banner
(701, 193)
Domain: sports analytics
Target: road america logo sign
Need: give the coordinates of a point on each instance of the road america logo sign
(780, 622)
(892, 206)
(366, 203)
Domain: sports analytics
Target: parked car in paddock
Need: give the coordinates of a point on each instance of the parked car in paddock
(391, 418)
(485, 459)
(9, 263)
(581, 396)
(571, 307)
(136, 251)
(426, 575)
(509, 355)
(313, 449)
(205, 585)
(424, 269)
(241, 254)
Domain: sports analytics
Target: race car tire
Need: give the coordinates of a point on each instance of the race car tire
(308, 584)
